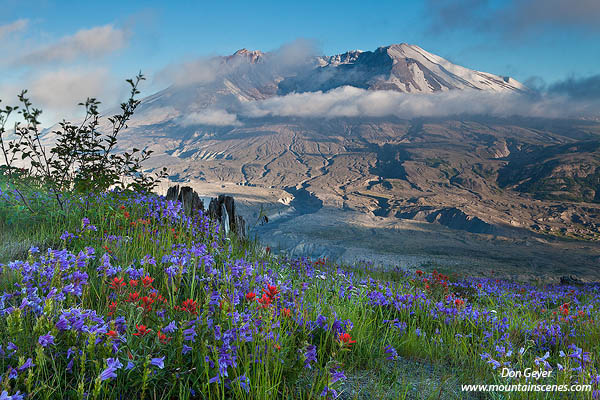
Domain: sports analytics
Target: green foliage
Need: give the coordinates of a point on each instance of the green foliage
(83, 159)
(440, 326)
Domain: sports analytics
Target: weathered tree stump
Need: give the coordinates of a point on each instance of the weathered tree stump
(188, 197)
(221, 209)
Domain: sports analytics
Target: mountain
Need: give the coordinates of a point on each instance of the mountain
(512, 191)
(399, 67)
(253, 75)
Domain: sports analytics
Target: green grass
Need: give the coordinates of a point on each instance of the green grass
(439, 340)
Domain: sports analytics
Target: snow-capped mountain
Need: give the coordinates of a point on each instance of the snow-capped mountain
(311, 126)
(399, 67)
(247, 76)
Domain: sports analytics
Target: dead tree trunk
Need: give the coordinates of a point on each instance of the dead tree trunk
(221, 209)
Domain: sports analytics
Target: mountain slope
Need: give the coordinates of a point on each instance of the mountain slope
(247, 76)
(500, 176)
(448, 171)
(400, 67)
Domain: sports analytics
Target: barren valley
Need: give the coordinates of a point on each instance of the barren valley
(519, 195)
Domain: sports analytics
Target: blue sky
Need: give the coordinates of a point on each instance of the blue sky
(45, 43)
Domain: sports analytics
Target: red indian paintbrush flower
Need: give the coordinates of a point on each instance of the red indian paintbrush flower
(133, 297)
(117, 283)
(162, 337)
(190, 306)
(346, 339)
(272, 291)
(250, 296)
(147, 303)
(147, 281)
(142, 330)
(112, 333)
(265, 300)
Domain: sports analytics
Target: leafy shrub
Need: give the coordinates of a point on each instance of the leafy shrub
(83, 159)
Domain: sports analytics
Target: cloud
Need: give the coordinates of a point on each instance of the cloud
(292, 56)
(58, 92)
(513, 18)
(65, 88)
(199, 71)
(578, 88)
(16, 26)
(575, 13)
(287, 59)
(210, 117)
(349, 101)
(87, 43)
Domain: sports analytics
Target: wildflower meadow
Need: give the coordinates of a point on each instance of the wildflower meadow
(126, 297)
(114, 294)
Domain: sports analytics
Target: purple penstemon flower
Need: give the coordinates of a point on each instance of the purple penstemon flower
(337, 376)
(310, 355)
(329, 391)
(27, 364)
(244, 382)
(393, 354)
(542, 361)
(189, 334)
(5, 396)
(321, 321)
(86, 225)
(66, 235)
(70, 365)
(148, 259)
(112, 365)
(12, 373)
(46, 340)
(158, 362)
(170, 328)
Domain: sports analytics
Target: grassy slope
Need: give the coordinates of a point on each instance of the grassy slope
(439, 340)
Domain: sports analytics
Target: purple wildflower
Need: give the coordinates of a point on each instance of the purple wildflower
(310, 355)
(328, 391)
(27, 364)
(170, 328)
(46, 340)
(244, 382)
(5, 396)
(158, 362)
(112, 365)
(393, 354)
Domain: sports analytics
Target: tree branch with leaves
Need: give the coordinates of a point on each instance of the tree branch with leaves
(83, 159)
